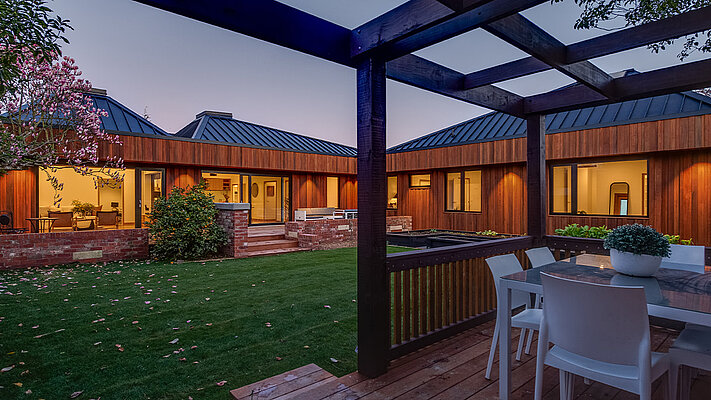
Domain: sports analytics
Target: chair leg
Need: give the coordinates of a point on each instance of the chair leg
(529, 341)
(494, 341)
(673, 380)
(685, 380)
(566, 385)
(521, 343)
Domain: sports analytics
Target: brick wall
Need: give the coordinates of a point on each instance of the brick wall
(39, 249)
(320, 234)
(234, 219)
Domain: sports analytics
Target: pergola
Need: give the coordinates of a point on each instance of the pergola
(382, 48)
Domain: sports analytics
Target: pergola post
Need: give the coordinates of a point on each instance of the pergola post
(536, 175)
(373, 282)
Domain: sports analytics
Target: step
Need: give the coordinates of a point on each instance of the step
(263, 237)
(283, 384)
(275, 251)
(272, 244)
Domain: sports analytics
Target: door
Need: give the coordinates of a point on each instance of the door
(270, 201)
(150, 186)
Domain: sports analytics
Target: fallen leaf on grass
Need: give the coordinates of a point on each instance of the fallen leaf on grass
(333, 360)
(7, 368)
(76, 394)
(221, 383)
(278, 358)
(174, 341)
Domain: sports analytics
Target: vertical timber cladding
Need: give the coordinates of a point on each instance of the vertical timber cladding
(18, 194)
(373, 287)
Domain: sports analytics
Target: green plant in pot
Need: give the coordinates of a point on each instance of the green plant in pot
(82, 209)
(636, 249)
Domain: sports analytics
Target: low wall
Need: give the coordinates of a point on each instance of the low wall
(40, 249)
(321, 234)
(234, 219)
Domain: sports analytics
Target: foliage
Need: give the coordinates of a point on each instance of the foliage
(575, 230)
(50, 120)
(638, 239)
(601, 13)
(82, 208)
(487, 232)
(676, 239)
(705, 92)
(184, 225)
(27, 24)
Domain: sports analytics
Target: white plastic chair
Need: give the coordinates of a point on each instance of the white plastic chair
(687, 258)
(538, 257)
(599, 332)
(527, 319)
(691, 349)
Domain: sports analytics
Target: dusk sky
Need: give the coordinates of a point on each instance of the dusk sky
(175, 67)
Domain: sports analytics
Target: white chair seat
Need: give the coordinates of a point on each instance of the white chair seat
(695, 338)
(529, 318)
(693, 349)
(622, 376)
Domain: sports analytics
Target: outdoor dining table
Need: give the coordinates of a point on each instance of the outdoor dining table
(41, 224)
(671, 293)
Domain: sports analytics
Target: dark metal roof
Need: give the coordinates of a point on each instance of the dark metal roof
(221, 127)
(497, 126)
(122, 119)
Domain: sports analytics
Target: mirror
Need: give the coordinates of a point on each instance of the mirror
(619, 198)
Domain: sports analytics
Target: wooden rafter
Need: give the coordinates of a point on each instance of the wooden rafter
(527, 36)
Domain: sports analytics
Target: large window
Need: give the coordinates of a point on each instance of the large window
(332, 191)
(267, 195)
(392, 192)
(463, 191)
(420, 180)
(600, 188)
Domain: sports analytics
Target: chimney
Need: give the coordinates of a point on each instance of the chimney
(214, 114)
(97, 91)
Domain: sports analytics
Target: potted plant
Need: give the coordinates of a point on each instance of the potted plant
(82, 209)
(636, 249)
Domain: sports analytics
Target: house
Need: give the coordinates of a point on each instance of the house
(642, 161)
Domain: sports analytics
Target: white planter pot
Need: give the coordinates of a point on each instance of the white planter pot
(634, 264)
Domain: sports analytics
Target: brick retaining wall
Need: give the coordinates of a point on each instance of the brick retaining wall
(39, 249)
(320, 234)
(234, 219)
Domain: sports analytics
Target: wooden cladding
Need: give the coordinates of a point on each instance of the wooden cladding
(687, 133)
(141, 149)
(18, 194)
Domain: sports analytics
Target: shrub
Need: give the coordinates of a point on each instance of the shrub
(638, 239)
(676, 239)
(184, 225)
(575, 230)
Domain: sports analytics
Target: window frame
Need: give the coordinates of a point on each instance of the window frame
(574, 188)
(461, 190)
(397, 190)
(409, 180)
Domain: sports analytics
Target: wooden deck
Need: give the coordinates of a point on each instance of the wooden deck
(451, 369)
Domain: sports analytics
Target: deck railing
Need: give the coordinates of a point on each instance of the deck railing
(436, 293)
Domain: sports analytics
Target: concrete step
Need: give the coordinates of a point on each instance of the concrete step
(264, 237)
(272, 244)
(274, 251)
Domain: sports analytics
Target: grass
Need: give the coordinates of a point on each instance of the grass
(109, 331)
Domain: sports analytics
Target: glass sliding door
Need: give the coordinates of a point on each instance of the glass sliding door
(150, 186)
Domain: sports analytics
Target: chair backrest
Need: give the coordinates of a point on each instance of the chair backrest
(64, 218)
(106, 217)
(503, 265)
(6, 219)
(540, 256)
(601, 322)
(688, 258)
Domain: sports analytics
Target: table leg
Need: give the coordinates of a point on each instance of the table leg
(504, 323)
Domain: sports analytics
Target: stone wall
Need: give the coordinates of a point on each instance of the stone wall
(320, 234)
(40, 249)
(234, 219)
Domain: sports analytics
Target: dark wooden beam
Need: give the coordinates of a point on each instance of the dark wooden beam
(425, 74)
(536, 176)
(270, 21)
(626, 39)
(373, 277)
(421, 23)
(518, 31)
(674, 79)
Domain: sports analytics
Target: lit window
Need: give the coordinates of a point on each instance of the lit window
(332, 191)
(463, 191)
(600, 188)
(420, 180)
(392, 192)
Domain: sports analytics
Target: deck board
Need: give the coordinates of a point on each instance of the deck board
(453, 369)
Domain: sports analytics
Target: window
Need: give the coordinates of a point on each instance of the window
(601, 188)
(420, 180)
(463, 191)
(332, 191)
(392, 192)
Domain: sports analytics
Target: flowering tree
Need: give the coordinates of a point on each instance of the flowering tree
(48, 119)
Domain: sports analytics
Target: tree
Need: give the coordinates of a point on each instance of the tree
(705, 92)
(601, 14)
(27, 24)
(48, 119)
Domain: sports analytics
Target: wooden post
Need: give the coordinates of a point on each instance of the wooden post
(536, 176)
(373, 278)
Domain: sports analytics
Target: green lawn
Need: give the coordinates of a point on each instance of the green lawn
(110, 331)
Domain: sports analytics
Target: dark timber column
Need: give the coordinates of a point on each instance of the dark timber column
(373, 290)
(536, 175)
